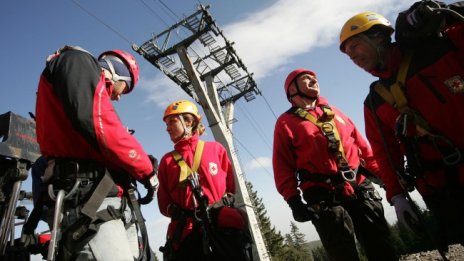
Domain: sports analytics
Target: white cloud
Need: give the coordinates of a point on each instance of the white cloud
(270, 38)
(259, 163)
(161, 90)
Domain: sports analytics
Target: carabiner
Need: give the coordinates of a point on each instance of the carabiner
(51, 191)
(448, 158)
(348, 175)
(452, 158)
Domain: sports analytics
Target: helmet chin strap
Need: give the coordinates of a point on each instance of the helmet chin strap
(301, 94)
(187, 130)
(379, 49)
(109, 86)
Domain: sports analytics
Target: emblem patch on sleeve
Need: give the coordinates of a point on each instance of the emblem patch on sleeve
(213, 168)
(132, 154)
(455, 84)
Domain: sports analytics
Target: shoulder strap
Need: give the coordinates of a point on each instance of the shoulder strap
(330, 131)
(185, 169)
(394, 95)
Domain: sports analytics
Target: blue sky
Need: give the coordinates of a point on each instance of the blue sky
(272, 37)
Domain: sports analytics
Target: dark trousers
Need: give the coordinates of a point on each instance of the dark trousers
(447, 206)
(233, 247)
(343, 220)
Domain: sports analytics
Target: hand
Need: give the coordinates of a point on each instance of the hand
(151, 183)
(405, 214)
(154, 163)
(301, 212)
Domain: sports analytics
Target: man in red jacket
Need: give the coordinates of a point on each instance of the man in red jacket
(318, 150)
(415, 108)
(92, 154)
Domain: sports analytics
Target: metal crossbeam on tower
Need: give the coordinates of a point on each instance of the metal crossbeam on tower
(214, 80)
(222, 62)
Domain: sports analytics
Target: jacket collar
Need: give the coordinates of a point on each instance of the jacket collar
(187, 144)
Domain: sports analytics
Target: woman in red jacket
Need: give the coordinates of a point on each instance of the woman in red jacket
(192, 178)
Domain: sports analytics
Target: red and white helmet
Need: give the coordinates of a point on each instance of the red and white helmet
(130, 63)
(292, 76)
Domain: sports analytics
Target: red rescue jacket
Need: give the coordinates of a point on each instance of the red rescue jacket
(435, 89)
(300, 144)
(76, 119)
(216, 179)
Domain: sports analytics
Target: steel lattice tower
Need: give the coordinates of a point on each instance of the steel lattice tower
(215, 81)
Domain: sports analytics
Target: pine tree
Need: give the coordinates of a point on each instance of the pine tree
(319, 254)
(296, 248)
(273, 239)
(298, 238)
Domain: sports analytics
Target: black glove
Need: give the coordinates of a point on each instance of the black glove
(154, 163)
(301, 212)
(419, 23)
(151, 183)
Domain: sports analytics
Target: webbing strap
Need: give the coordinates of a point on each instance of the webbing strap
(328, 127)
(185, 169)
(134, 205)
(396, 89)
(394, 95)
(99, 194)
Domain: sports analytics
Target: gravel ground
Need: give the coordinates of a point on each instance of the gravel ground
(455, 253)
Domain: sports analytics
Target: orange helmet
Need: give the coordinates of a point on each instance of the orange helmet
(180, 107)
(128, 60)
(361, 23)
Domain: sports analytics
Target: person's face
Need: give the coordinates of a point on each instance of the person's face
(362, 53)
(119, 88)
(174, 127)
(307, 85)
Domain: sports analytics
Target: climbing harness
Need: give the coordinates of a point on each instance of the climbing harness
(329, 129)
(185, 170)
(394, 95)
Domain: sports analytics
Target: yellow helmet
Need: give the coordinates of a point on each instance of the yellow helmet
(361, 23)
(182, 106)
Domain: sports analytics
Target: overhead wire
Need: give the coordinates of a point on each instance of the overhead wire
(256, 127)
(156, 14)
(247, 114)
(167, 7)
(251, 155)
(269, 106)
(102, 22)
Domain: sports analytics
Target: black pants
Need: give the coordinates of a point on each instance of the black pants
(344, 220)
(447, 206)
(234, 246)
